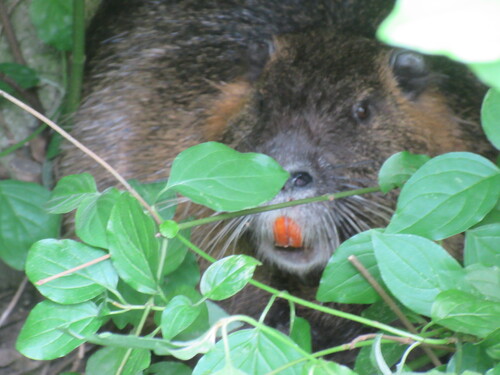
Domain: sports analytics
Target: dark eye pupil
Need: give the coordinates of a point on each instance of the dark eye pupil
(361, 111)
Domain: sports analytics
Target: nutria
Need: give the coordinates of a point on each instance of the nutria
(330, 105)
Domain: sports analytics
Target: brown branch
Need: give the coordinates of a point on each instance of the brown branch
(14, 301)
(392, 305)
(71, 270)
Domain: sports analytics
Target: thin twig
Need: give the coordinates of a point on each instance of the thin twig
(369, 336)
(10, 36)
(392, 305)
(14, 301)
(85, 149)
(71, 270)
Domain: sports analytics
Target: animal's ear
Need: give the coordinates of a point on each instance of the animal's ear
(262, 52)
(411, 71)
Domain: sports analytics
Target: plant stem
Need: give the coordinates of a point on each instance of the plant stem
(83, 148)
(322, 308)
(21, 143)
(392, 305)
(256, 210)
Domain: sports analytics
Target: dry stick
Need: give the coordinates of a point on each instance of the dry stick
(392, 305)
(14, 301)
(71, 270)
(83, 148)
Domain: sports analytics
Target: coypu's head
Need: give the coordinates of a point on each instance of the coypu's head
(330, 109)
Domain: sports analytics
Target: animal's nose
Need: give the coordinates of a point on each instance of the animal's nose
(298, 179)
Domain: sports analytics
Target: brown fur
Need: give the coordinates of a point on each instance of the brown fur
(151, 95)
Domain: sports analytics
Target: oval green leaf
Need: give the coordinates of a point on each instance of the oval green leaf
(177, 316)
(215, 175)
(70, 191)
(42, 336)
(490, 117)
(227, 276)
(482, 245)
(300, 332)
(24, 76)
(50, 257)
(254, 352)
(341, 281)
(23, 221)
(92, 217)
(416, 269)
(485, 279)
(472, 360)
(155, 194)
(53, 20)
(448, 195)
(398, 169)
(168, 368)
(133, 246)
(108, 360)
(437, 27)
(467, 313)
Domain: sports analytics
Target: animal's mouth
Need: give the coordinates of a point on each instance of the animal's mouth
(287, 233)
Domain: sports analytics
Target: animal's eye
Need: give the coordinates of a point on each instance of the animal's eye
(361, 111)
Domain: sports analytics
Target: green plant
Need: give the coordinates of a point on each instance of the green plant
(134, 262)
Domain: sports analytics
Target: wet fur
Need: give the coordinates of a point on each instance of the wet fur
(217, 71)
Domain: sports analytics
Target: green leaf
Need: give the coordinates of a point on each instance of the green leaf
(23, 221)
(187, 273)
(168, 368)
(380, 312)
(191, 327)
(51, 257)
(108, 360)
(53, 20)
(92, 217)
(448, 195)
(437, 27)
(133, 246)
(491, 344)
(214, 175)
(493, 217)
(229, 369)
(467, 313)
(24, 76)
(154, 193)
(322, 367)
(481, 245)
(177, 316)
(133, 297)
(158, 346)
(176, 253)
(416, 269)
(487, 72)
(43, 336)
(341, 281)
(490, 116)
(227, 276)
(485, 279)
(253, 351)
(472, 358)
(300, 332)
(70, 191)
(391, 352)
(398, 169)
